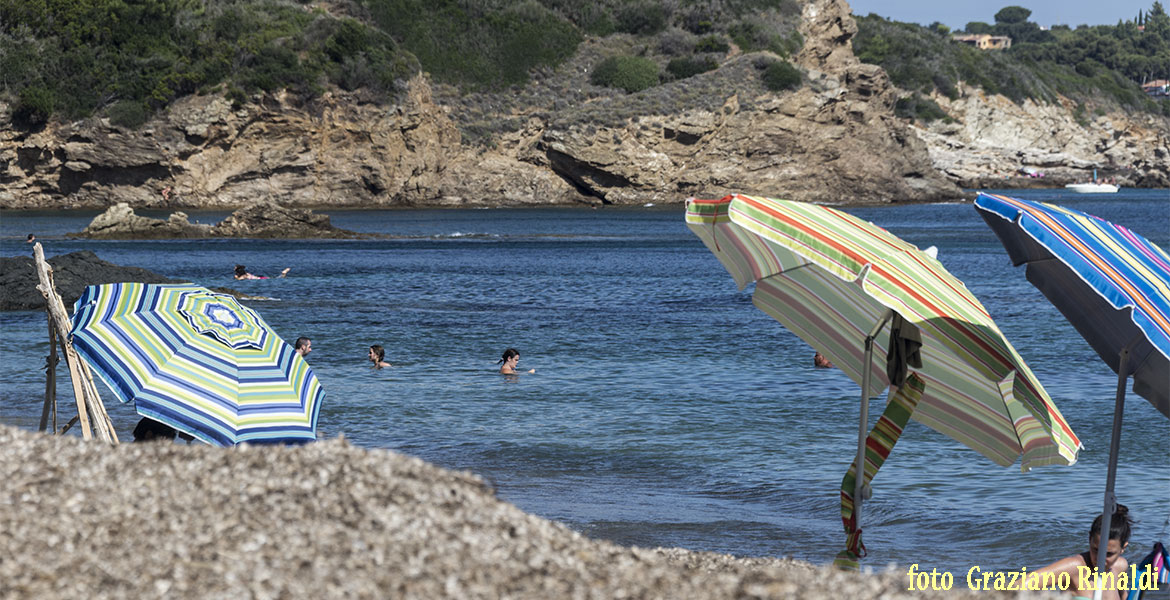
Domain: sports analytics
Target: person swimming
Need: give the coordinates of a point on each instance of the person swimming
(1119, 530)
(508, 362)
(377, 355)
(303, 346)
(241, 272)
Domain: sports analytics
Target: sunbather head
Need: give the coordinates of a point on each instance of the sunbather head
(1119, 529)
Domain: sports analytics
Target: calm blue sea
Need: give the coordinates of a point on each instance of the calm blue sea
(666, 410)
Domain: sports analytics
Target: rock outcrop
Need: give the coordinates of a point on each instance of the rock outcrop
(260, 219)
(71, 274)
(204, 153)
(992, 139)
(119, 222)
(267, 219)
(835, 139)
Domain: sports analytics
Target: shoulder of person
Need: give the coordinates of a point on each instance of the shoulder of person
(1068, 563)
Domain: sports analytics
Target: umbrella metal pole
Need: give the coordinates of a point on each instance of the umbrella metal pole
(1111, 473)
(863, 426)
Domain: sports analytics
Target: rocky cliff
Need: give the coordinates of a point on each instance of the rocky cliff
(204, 153)
(991, 139)
(835, 139)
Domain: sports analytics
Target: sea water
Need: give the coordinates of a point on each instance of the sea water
(665, 410)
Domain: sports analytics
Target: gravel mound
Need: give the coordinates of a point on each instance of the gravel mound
(326, 520)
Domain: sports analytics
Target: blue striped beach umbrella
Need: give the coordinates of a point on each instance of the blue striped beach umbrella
(198, 361)
(1112, 284)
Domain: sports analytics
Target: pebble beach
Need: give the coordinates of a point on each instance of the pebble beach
(90, 520)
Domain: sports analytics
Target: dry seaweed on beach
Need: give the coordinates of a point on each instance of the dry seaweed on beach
(328, 520)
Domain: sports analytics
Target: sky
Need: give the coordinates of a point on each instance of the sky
(957, 13)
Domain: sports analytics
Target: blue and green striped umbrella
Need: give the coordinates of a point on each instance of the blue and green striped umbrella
(1112, 285)
(198, 361)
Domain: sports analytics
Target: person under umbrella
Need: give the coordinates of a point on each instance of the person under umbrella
(197, 361)
(1115, 563)
(1112, 285)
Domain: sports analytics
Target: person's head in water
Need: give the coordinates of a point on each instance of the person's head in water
(148, 429)
(30, 239)
(510, 357)
(303, 346)
(1119, 529)
(241, 271)
(377, 356)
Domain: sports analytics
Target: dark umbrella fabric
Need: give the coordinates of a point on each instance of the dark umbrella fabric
(1112, 285)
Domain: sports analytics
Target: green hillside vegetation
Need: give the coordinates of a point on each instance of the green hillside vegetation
(76, 57)
(1097, 66)
(69, 59)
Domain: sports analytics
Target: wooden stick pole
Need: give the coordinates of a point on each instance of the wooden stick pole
(66, 426)
(58, 319)
(101, 418)
(50, 379)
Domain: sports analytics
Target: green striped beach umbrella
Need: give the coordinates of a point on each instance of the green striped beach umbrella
(885, 313)
(198, 361)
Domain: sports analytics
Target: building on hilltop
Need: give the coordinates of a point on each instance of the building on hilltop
(984, 41)
(1158, 88)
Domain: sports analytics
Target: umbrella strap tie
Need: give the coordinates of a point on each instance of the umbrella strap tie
(878, 444)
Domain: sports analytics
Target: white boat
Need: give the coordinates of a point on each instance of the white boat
(1092, 188)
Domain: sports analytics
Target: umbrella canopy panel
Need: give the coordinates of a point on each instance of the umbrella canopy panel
(1112, 284)
(198, 361)
(830, 277)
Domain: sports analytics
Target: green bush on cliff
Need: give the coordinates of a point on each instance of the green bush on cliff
(630, 73)
(922, 60)
(780, 75)
(35, 105)
(920, 108)
(483, 45)
(752, 33)
(128, 113)
(643, 17)
(712, 43)
(681, 68)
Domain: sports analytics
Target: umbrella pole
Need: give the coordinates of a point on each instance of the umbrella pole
(1111, 473)
(863, 425)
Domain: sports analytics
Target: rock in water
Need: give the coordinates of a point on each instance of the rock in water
(267, 219)
(71, 273)
(260, 219)
(120, 223)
